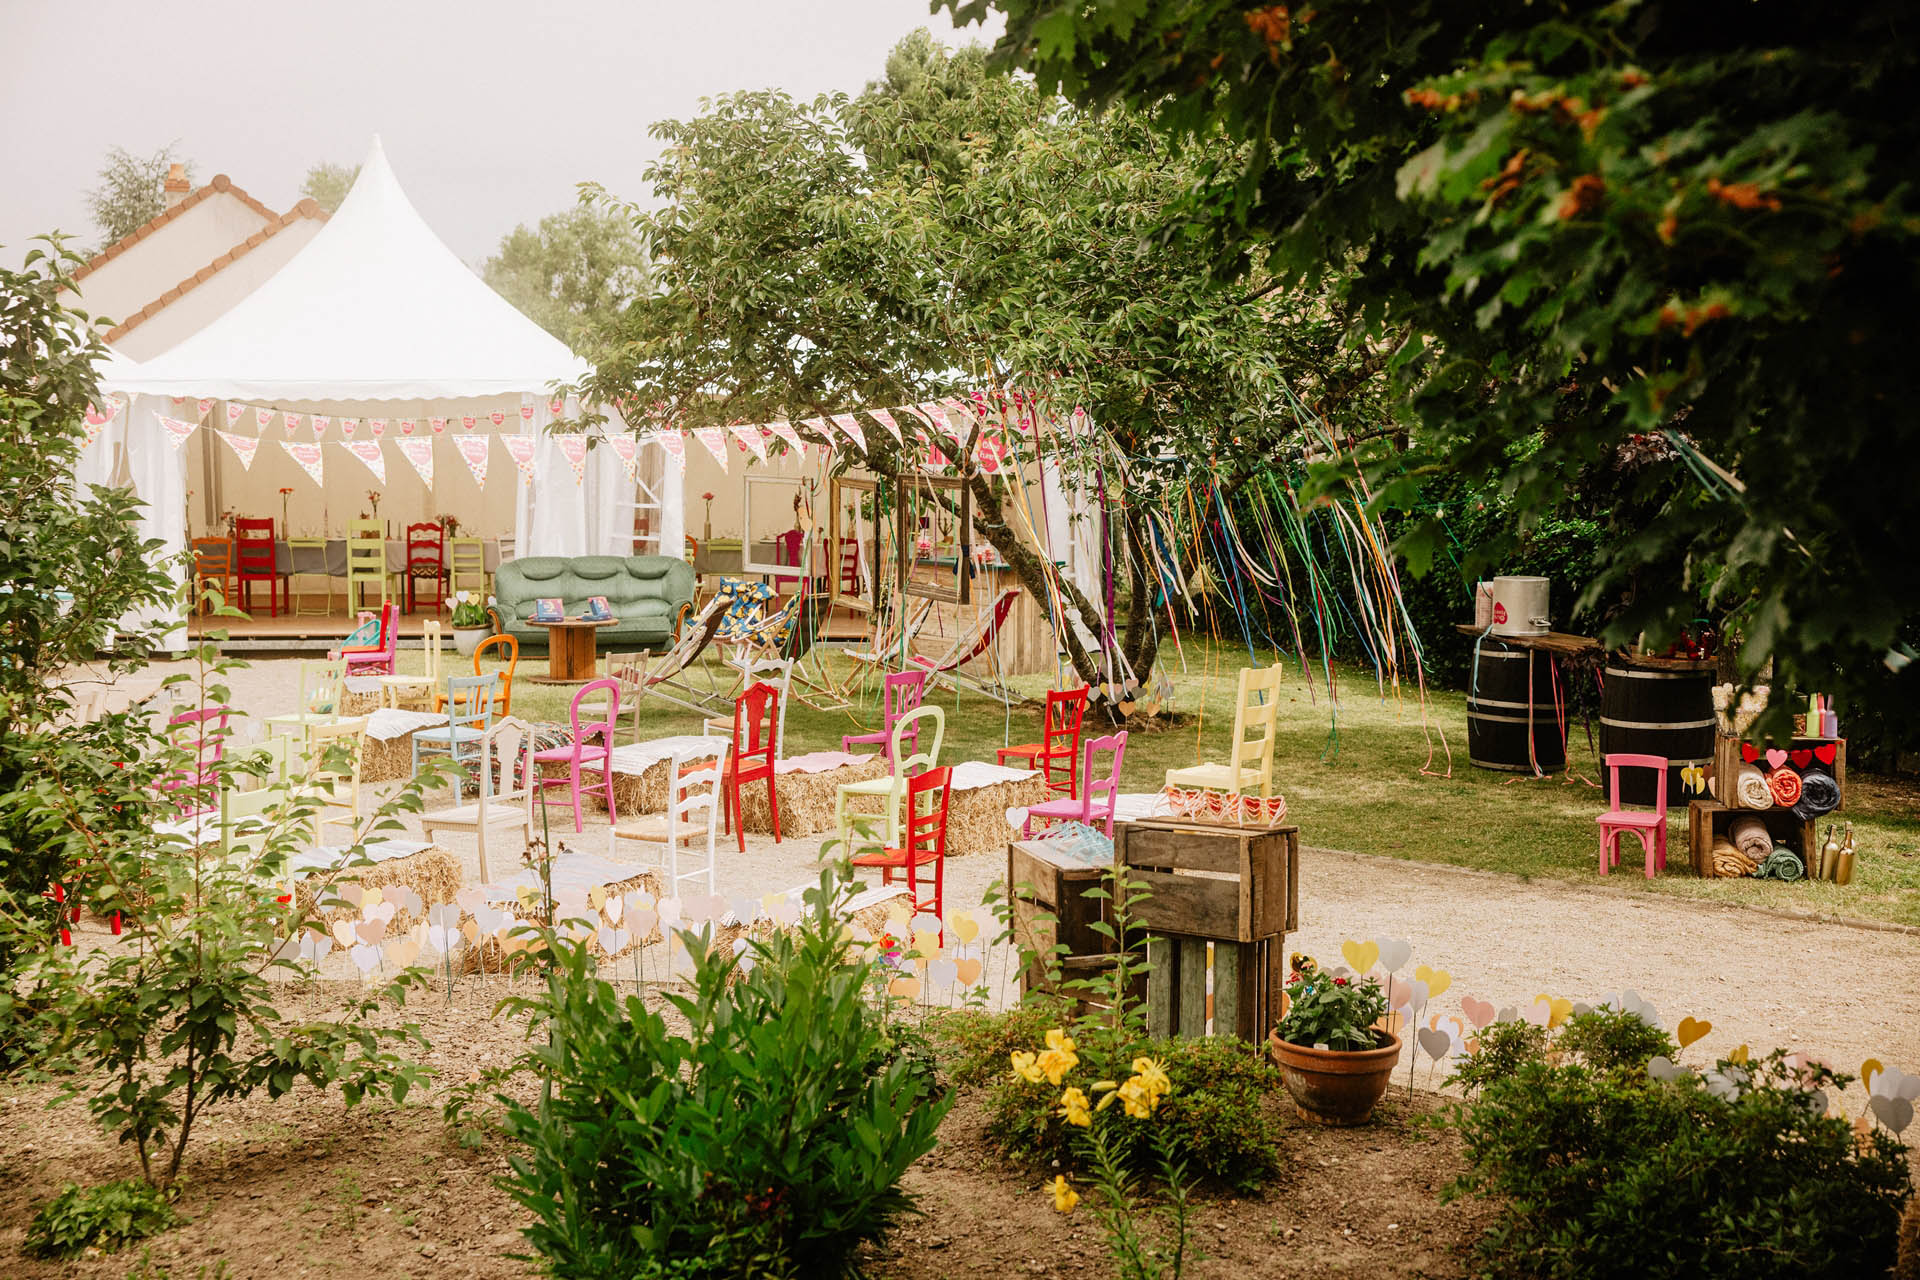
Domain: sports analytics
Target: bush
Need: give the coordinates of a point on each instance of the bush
(1736, 1174)
(976, 1043)
(1605, 1039)
(108, 1217)
(767, 1139)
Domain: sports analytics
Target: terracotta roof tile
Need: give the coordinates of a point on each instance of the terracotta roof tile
(221, 182)
(305, 209)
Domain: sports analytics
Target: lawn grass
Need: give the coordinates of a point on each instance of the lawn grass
(1363, 789)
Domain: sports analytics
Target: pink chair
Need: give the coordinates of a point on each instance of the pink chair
(787, 548)
(578, 752)
(203, 734)
(1082, 810)
(900, 694)
(1649, 824)
(376, 658)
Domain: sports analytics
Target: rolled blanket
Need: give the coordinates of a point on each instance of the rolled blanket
(1749, 835)
(1782, 864)
(1784, 783)
(1819, 794)
(1750, 788)
(1726, 860)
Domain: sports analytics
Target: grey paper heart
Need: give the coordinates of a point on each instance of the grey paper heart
(1895, 1113)
(1665, 1068)
(1581, 1009)
(1435, 1042)
(1506, 1014)
(1394, 953)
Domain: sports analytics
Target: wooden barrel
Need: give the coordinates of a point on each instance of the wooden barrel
(1502, 707)
(1655, 713)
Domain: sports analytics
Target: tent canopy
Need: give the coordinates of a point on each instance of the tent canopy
(375, 308)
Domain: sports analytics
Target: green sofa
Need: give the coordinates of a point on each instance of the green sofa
(646, 594)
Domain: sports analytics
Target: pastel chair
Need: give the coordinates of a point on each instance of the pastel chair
(1649, 824)
(1099, 797)
(506, 753)
(1256, 709)
(333, 780)
(469, 716)
(581, 749)
(860, 828)
(900, 693)
(320, 690)
(754, 756)
(692, 818)
(395, 689)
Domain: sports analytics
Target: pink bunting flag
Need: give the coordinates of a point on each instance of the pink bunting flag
(574, 449)
(474, 451)
(96, 420)
(716, 442)
(233, 413)
(958, 415)
(676, 446)
(990, 452)
(851, 426)
(439, 425)
(520, 449)
(785, 431)
(420, 454)
(820, 425)
(290, 421)
(556, 408)
(177, 431)
(308, 455)
(748, 434)
(348, 426)
(627, 449)
(886, 420)
(467, 421)
(321, 424)
(378, 426)
(205, 407)
(526, 415)
(244, 447)
(261, 417)
(497, 418)
(406, 426)
(368, 451)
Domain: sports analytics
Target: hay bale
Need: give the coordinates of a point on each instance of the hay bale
(433, 873)
(360, 701)
(806, 799)
(387, 759)
(977, 817)
(489, 955)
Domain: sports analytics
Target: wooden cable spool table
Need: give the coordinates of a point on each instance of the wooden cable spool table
(570, 649)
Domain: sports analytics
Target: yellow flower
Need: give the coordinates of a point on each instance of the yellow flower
(1060, 1040)
(1153, 1077)
(1073, 1106)
(1024, 1068)
(1064, 1196)
(1055, 1063)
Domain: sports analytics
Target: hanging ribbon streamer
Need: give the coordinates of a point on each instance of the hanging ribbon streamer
(520, 449)
(716, 441)
(851, 426)
(177, 431)
(475, 451)
(420, 454)
(244, 447)
(785, 431)
(990, 452)
(307, 454)
(748, 434)
(320, 425)
(368, 451)
(627, 449)
(886, 420)
(676, 446)
(574, 449)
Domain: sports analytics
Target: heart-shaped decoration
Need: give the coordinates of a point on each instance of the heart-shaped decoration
(744, 910)
(1895, 1113)
(1581, 1008)
(315, 948)
(441, 938)
(1690, 1030)
(965, 927)
(343, 932)
(1399, 992)
(1559, 1008)
(1740, 1054)
(897, 916)
(1509, 1013)
(1826, 753)
(597, 896)
(926, 942)
(403, 953)
(1437, 980)
(669, 912)
(370, 931)
(609, 939)
(398, 894)
(786, 912)
(643, 919)
(1420, 995)
(925, 922)
(1665, 1068)
(365, 957)
(1816, 1101)
(470, 931)
(1775, 757)
(943, 973)
(613, 908)
(469, 898)
(1361, 955)
(968, 969)
(446, 915)
(1394, 954)
(1539, 1012)
(906, 987)
(1749, 752)
(1868, 1070)
(1434, 1043)
(1479, 1012)
(1801, 757)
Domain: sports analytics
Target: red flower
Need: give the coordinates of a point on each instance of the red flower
(1339, 982)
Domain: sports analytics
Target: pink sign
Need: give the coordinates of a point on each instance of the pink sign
(439, 425)
(676, 446)
(205, 407)
(290, 421)
(378, 426)
(627, 449)
(348, 426)
(321, 423)
(406, 426)
(497, 418)
(467, 421)
(261, 417)
(233, 413)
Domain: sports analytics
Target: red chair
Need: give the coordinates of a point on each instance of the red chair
(203, 735)
(754, 754)
(426, 561)
(256, 559)
(901, 692)
(1057, 754)
(786, 550)
(578, 752)
(849, 567)
(925, 840)
(375, 658)
(1649, 824)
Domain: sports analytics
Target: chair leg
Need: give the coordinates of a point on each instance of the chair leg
(773, 803)
(739, 813)
(573, 782)
(1604, 840)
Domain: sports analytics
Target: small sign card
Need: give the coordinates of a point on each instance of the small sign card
(548, 609)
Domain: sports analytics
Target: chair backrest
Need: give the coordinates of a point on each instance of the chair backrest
(602, 727)
(908, 726)
(283, 754)
(901, 692)
(512, 646)
(213, 555)
(430, 649)
(385, 638)
(1096, 790)
(628, 671)
(756, 712)
(202, 732)
(926, 828)
(779, 673)
(1060, 734)
(1618, 760)
(507, 743)
(321, 685)
(366, 547)
(253, 545)
(470, 700)
(1256, 708)
(467, 556)
(244, 818)
(426, 543)
(786, 550)
(694, 790)
(850, 566)
(323, 739)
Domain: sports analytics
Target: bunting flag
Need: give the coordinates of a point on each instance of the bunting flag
(205, 407)
(378, 426)
(308, 455)
(749, 435)
(520, 449)
(292, 420)
(261, 417)
(97, 420)
(233, 413)
(526, 416)
(320, 425)
(786, 432)
(474, 451)
(716, 441)
(420, 454)
(244, 447)
(851, 425)
(497, 418)
(348, 426)
(885, 419)
(439, 425)
(676, 446)
(574, 449)
(554, 408)
(924, 412)
(406, 426)
(466, 421)
(177, 431)
(368, 451)
(819, 425)
(959, 418)
(627, 449)
(1080, 423)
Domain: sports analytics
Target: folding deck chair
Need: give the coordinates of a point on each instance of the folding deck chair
(665, 676)
(975, 641)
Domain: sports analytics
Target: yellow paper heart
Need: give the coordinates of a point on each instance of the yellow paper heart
(1559, 1008)
(968, 969)
(1740, 1055)
(926, 942)
(1868, 1070)
(597, 896)
(403, 952)
(897, 916)
(1691, 1029)
(1361, 956)
(343, 933)
(1437, 980)
(905, 987)
(965, 927)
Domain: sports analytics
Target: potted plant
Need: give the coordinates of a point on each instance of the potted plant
(471, 621)
(1331, 1047)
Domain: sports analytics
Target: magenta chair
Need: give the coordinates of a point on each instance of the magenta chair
(577, 752)
(376, 658)
(900, 695)
(202, 733)
(1106, 790)
(786, 550)
(1649, 824)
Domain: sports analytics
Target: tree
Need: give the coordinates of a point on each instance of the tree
(132, 190)
(576, 271)
(1600, 227)
(327, 184)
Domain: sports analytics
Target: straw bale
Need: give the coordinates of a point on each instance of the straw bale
(433, 873)
(977, 818)
(806, 799)
(359, 702)
(490, 956)
(387, 759)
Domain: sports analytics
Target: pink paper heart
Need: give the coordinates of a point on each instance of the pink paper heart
(1479, 1012)
(1775, 758)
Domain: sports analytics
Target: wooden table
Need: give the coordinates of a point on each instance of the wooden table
(570, 649)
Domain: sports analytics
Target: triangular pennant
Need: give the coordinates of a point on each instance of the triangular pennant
(96, 421)
(749, 435)
(233, 413)
(785, 431)
(244, 447)
(467, 421)
(819, 426)
(851, 425)
(420, 454)
(368, 451)
(520, 449)
(958, 417)
(627, 449)
(378, 426)
(474, 451)
(886, 420)
(261, 417)
(406, 426)
(177, 431)
(526, 415)
(555, 408)
(439, 425)
(321, 424)
(308, 455)
(574, 449)
(348, 426)
(716, 441)
(676, 446)
(205, 407)
(497, 418)
(292, 421)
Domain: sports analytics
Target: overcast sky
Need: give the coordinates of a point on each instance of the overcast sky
(491, 110)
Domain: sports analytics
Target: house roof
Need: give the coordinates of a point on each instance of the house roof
(305, 209)
(220, 183)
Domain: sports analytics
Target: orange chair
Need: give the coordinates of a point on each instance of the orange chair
(925, 840)
(1057, 754)
(1649, 824)
(503, 700)
(256, 560)
(754, 754)
(213, 562)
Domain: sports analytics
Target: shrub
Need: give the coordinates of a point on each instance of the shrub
(1605, 1039)
(978, 1042)
(767, 1139)
(107, 1217)
(1739, 1173)
(1501, 1049)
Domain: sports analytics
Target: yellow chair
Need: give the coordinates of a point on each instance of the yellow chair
(248, 819)
(335, 783)
(316, 549)
(394, 689)
(322, 688)
(1256, 706)
(859, 830)
(366, 560)
(466, 566)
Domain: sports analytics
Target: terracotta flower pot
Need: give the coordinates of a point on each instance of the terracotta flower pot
(1335, 1087)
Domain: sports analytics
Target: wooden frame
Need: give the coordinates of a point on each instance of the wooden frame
(836, 530)
(962, 592)
(747, 563)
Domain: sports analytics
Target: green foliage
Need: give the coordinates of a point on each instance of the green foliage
(1120, 1211)
(107, 1217)
(1502, 1049)
(1336, 1012)
(327, 184)
(573, 274)
(132, 191)
(1740, 1173)
(1605, 1040)
(975, 1043)
(768, 1138)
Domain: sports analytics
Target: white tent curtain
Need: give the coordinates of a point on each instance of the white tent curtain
(158, 473)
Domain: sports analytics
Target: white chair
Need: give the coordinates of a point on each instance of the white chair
(628, 672)
(692, 816)
(506, 755)
(395, 688)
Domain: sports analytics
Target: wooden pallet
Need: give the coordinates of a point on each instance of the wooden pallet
(1726, 762)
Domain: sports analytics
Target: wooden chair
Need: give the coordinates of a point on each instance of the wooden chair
(366, 561)
(256, 560)
(394, 689)
(975, 642)
(777, 672)
(502, 700)
(756, 743)
(334, 753)
(692, 816)
(247, 820)
(201, 734)
(860, 828)
(1096, 792)
(212, 562)
(627, 672)
(426, 562)
(315, 549)
(376, 658)
(1256, 708)
(900, 693)
(469, 701)
(466, 566)
(321, 687)
(1649, 824)
(1057, 754)
(506, 790)
(580, 750)
(787, 549)
(925, 842)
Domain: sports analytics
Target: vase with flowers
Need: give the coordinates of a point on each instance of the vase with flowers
(1332, 1048)
(706, 531)
(471, 621)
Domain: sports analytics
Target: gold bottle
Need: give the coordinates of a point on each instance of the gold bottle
(1829, 855)
(1843, 873)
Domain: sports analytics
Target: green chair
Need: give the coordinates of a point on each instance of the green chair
(366, 561)
(863, 830)
(322, 688)
(315, 549)
(467, 566)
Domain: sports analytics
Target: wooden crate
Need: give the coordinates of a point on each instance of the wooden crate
(1048, 906)
(1709, 819)
(1726, 761)
(1230, 884)
(1249, 983)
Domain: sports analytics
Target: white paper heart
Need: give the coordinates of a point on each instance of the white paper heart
(396, 894)
(351, 892)
(1895, 1113)
(1539, 1013)
(744, 910)
(746, 963)
(441, 938)
(787, 913)
(1394, 953)
(616, 906)
(470, 898)
(1665, 1068)
(343, 932)
(365, 957)
(571, 898)
(643, 919)
(669, 912)
(943, 973)
(446, 915)
(1581, 1008)
(609, 940)
(739, 946)
(315, 948)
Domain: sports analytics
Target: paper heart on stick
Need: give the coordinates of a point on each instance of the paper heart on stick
(370, 930)
(1437, 980)
(1508, 1013)
(925, 923)
(905, 987)
(469, 898)
(1801, 757)
(1394, 953)
(343, 932)
(1740, 1054)
(1434, 1043)
(1775, 757)
(1690, 1030)
(1895, 1113)
(1399, 993)
(1479, 1012)
(943, 973)
(470, 931)
(441, 938)
(351, 892)
(613, 908)
(403, 953)
(1665, 1068)
(1361, 955)
(965, 927)
(1749, 752)
(968, 969)
(365, 957)
(1826, 753)
(1868, 1070)
(1559, 1008)
(926, 942)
